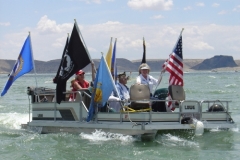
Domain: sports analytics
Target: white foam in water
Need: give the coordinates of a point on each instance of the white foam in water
(211, 76)
(177, 141)
(48, 82)
(199, 127)
(99, 135)
(235, 129)
(13, 120)
(230, 85)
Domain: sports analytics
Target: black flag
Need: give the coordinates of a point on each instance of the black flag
(57, 75)
(144, 52)
(76, 57)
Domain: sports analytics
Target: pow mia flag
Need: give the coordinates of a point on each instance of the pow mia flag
(75, 58)
(64, 51)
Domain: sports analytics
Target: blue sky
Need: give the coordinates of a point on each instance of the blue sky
(211, 27)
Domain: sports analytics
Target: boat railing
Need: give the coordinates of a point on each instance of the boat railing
(186, 108)
(221, 106)
(209, 103)
(84, 100)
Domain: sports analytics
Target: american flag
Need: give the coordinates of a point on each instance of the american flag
(174, 65)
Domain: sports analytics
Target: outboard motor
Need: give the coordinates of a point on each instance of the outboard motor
(216, 108)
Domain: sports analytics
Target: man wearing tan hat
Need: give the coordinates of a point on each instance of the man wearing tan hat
(145, 78)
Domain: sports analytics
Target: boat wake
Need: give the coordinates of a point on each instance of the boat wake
(13, 120)
(99, 136)
(171, 140)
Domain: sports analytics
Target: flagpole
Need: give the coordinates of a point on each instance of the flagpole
(82, 40)
(34, 68)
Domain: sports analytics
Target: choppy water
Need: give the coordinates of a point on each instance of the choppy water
(16, 143)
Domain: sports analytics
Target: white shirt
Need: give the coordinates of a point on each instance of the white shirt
(150, 81)
(123, 89)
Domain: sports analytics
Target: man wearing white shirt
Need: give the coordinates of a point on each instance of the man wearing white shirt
(145, 78)
(123, 90)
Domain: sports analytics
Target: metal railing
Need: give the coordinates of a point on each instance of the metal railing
(82, 105)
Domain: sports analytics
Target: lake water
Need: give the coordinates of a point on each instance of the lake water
(19, 144)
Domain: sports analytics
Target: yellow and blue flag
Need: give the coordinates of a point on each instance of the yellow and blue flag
(113, 64)
(24, 64)
(102, 88)
(109, 55)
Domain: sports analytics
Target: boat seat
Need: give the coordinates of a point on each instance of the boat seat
(139, 96)
(176, 92)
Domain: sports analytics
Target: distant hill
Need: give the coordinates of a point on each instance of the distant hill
(127, 65)
(216, 62)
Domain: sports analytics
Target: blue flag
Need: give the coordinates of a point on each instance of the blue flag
(24, 64)
(102, 88)
(113, 64)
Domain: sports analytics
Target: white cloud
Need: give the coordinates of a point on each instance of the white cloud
(199, 41)
(215, 4)
(237, 9)
(150, 4)
(4, 23)
(222, 12)
(200, 4)
(202, 46)
(59, 42)
(187, 8)
(47, 26)
(157, 17)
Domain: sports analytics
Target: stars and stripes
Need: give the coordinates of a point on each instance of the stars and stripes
(174, 65)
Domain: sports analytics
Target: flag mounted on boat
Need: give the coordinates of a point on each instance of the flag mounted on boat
(55, 79)
(76, 57)
(144, 52)
(114, 64)
(102, 88)
(174, 65)
(109, 55)
(24, 64)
